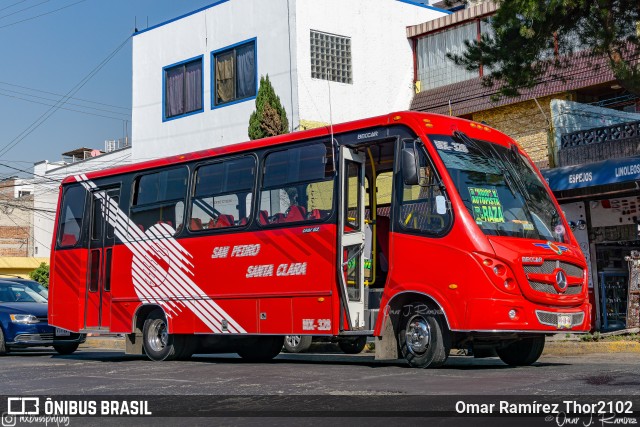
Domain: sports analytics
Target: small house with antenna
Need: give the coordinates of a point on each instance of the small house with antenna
(195, 77)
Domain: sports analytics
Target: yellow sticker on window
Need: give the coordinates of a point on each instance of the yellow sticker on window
(486, 205)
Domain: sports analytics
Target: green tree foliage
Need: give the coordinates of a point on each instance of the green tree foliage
(522, 51)
(270, 118)
(41, 274)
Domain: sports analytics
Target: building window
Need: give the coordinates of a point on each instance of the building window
(234, 73)
(183, 88)
(331, 57)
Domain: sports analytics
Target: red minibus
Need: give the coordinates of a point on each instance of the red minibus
(423, 231)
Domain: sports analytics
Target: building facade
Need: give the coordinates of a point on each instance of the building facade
(195, 78)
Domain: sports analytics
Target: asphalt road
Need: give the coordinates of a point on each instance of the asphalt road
(97, 372)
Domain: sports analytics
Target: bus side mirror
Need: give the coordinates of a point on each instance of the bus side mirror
(409, 166)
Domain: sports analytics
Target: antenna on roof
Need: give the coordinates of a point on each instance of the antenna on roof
(135, 24)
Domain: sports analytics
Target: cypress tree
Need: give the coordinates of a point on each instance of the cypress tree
(269, 118)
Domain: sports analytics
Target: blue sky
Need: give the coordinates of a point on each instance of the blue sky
(46, 57)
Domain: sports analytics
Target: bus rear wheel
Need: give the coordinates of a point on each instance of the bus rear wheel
(423, 339)
(158, 343)
(297, 343)
(522, 353)
(261, 348)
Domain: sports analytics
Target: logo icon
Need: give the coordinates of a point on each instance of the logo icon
(8, 420)
(558, 249)
(561, 281)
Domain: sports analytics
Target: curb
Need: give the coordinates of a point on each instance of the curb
(573, 348)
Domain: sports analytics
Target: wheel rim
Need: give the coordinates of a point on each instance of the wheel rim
(293, 340)
(158, 337)
(418, 335)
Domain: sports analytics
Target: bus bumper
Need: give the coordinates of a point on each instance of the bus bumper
(496, 315)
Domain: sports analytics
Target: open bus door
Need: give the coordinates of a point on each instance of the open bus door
(351, 237)
(101, 240)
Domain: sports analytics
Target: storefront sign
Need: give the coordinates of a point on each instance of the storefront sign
(599, 173)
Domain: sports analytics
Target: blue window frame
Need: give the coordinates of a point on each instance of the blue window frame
(234, 73)
(182, 88)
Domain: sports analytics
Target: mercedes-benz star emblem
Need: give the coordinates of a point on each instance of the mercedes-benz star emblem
(561, 280)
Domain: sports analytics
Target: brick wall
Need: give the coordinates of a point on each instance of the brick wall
(525, 123)
(14, 241)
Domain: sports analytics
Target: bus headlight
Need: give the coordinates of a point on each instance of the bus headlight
(499, 273)
(24, 319)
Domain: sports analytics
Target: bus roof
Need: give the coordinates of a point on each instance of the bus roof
(441, 124)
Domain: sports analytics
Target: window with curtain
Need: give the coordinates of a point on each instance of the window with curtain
(235, 73)
(183, 88)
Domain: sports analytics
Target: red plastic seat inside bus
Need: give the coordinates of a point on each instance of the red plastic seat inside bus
(244, 221)
(264, 217)
(295, 214)
(195, 224)
(315, 214)
(222, 221)
(165, 222)
(382, 233)
(68, 240)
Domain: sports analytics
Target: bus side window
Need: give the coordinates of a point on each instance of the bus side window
(72, 212)
(158, 198)
(418, 202)
(297, 185)
(222, 195)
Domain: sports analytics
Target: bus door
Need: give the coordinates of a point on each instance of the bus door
(101, 240)
(351, 237)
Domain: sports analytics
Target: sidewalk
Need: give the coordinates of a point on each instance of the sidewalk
(567, 346)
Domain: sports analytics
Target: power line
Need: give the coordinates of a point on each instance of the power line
(68, 103)
(22, 10)
(11, 5)
(42, 14)
(64, 108)
(58, 94)
(40, 120)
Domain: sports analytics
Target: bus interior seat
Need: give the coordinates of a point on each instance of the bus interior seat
(195, 224)
(68, 240)
(243, 221)
(315, 214)
(382, 234)
(296, 213)
(264, 217)
(222, 221)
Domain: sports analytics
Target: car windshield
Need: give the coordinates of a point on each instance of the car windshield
(500, 189)
(15, 292)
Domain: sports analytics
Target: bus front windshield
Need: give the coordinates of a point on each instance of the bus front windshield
(500, 189)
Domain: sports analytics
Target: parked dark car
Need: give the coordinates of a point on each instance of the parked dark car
(23, 319)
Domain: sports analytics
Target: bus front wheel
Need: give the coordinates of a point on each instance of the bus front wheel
(522, 353)
(158, 343)
(423, 338)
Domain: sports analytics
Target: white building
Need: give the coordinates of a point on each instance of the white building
(195, 77)
(46, 185)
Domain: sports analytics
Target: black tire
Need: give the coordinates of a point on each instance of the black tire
(429, 339)
(297, 343)
(353, 345)
(522, 353)
(261, 349)
(3, 346)
(158, 344)
(66, 348)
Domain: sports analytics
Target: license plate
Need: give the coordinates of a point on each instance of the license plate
(564, 321)
(62, 332)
